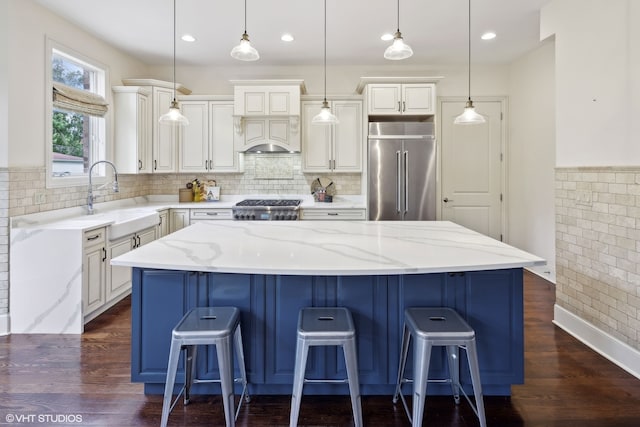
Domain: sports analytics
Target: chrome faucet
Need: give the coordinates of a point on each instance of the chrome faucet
(116, 187)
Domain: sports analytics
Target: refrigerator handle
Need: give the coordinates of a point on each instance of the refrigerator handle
(398, 181)
(406, 181)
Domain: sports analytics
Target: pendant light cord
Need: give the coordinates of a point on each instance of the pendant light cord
(245, 16)
(398, 30)
(325, 50)
(174, 50)
(469, 47)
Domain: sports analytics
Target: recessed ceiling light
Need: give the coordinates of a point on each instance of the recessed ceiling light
(386, 37)
(488, 36)
(286, 37)
(188, 38)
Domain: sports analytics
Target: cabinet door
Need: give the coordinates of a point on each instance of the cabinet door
(118, 278)
(93, 278)
(164, 136)
(384, 99)
(145, 155)
(316, 140)
(132, 129)
(418, 98)
(347, 136)
(194, 139)
(146, 236)
(152, 320)
(179, 218)
(222, 154)
(163, 226)
(285, 296)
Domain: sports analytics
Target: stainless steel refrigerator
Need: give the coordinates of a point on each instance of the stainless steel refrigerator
(402, 171)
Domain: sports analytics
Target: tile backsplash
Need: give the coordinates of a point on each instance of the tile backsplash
(264, 174)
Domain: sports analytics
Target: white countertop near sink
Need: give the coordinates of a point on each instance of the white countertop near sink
(144, 210)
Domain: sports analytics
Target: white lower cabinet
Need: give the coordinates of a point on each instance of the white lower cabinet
(119, 278)
(163, 226)
(201, 215)
(178, 218)
(94, 267)
(333, 214)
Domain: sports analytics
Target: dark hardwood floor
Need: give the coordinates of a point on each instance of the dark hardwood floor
(84, 380)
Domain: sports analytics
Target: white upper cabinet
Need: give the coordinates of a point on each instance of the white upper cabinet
(336, 148)
(142, 145)
(257, 100)
(165, 137)
(398, 99)
(132, 137)
(208, 143)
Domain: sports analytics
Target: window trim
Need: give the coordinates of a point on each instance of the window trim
(99, 176)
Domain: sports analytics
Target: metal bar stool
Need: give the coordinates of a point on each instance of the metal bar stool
(437, 327)
(330, 326)
(207, 326)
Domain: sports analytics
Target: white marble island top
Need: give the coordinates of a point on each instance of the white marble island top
(327, 248)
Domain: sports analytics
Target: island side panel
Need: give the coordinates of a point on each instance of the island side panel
(491, 302)
(499, 331)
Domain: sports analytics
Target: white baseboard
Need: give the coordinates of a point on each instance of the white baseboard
(4, 324)
(618, 352)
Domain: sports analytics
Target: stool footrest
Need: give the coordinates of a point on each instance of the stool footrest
(344, 381)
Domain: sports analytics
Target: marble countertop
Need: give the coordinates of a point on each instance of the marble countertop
(327, 248)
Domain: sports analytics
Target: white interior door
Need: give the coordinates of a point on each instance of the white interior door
(472, 168)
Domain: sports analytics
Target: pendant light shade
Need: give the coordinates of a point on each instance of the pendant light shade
(469, 116)
(398, 49)
(174, 116)
(244, 51)
(325, 117)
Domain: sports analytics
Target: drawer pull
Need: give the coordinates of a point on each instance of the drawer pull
(93, 237)
(212, 213)
(333, 213)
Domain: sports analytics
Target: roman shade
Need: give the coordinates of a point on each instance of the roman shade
(78, 100)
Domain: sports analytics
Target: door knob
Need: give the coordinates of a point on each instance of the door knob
(447, 200)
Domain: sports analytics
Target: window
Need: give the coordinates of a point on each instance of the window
(78, 114)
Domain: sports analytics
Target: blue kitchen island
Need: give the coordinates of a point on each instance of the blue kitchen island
(272, 269)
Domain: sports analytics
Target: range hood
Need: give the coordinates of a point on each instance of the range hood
(269, 147)
(269, 135)
(267, 115)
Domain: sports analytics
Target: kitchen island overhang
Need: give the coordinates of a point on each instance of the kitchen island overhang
(376, 269)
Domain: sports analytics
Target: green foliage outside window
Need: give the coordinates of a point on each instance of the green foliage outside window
(68, 127)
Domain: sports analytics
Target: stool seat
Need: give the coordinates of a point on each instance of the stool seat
(431, 327)
(207, 326)
(326, 326)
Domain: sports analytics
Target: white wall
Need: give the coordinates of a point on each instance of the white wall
(486, 80)
(4, 86)
(28, 25)
(531, 202)
(597, 61)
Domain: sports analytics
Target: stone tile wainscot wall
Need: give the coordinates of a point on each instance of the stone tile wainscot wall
(598, 248)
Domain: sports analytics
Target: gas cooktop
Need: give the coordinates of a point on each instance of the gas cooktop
(269, 202)
(267, 209)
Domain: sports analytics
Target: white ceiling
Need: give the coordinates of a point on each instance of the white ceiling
(435, 29)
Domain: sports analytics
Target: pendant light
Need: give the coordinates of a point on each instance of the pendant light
(469, 116)
(174, 116)
(244, 51)
(398, 49)
(325, 117)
